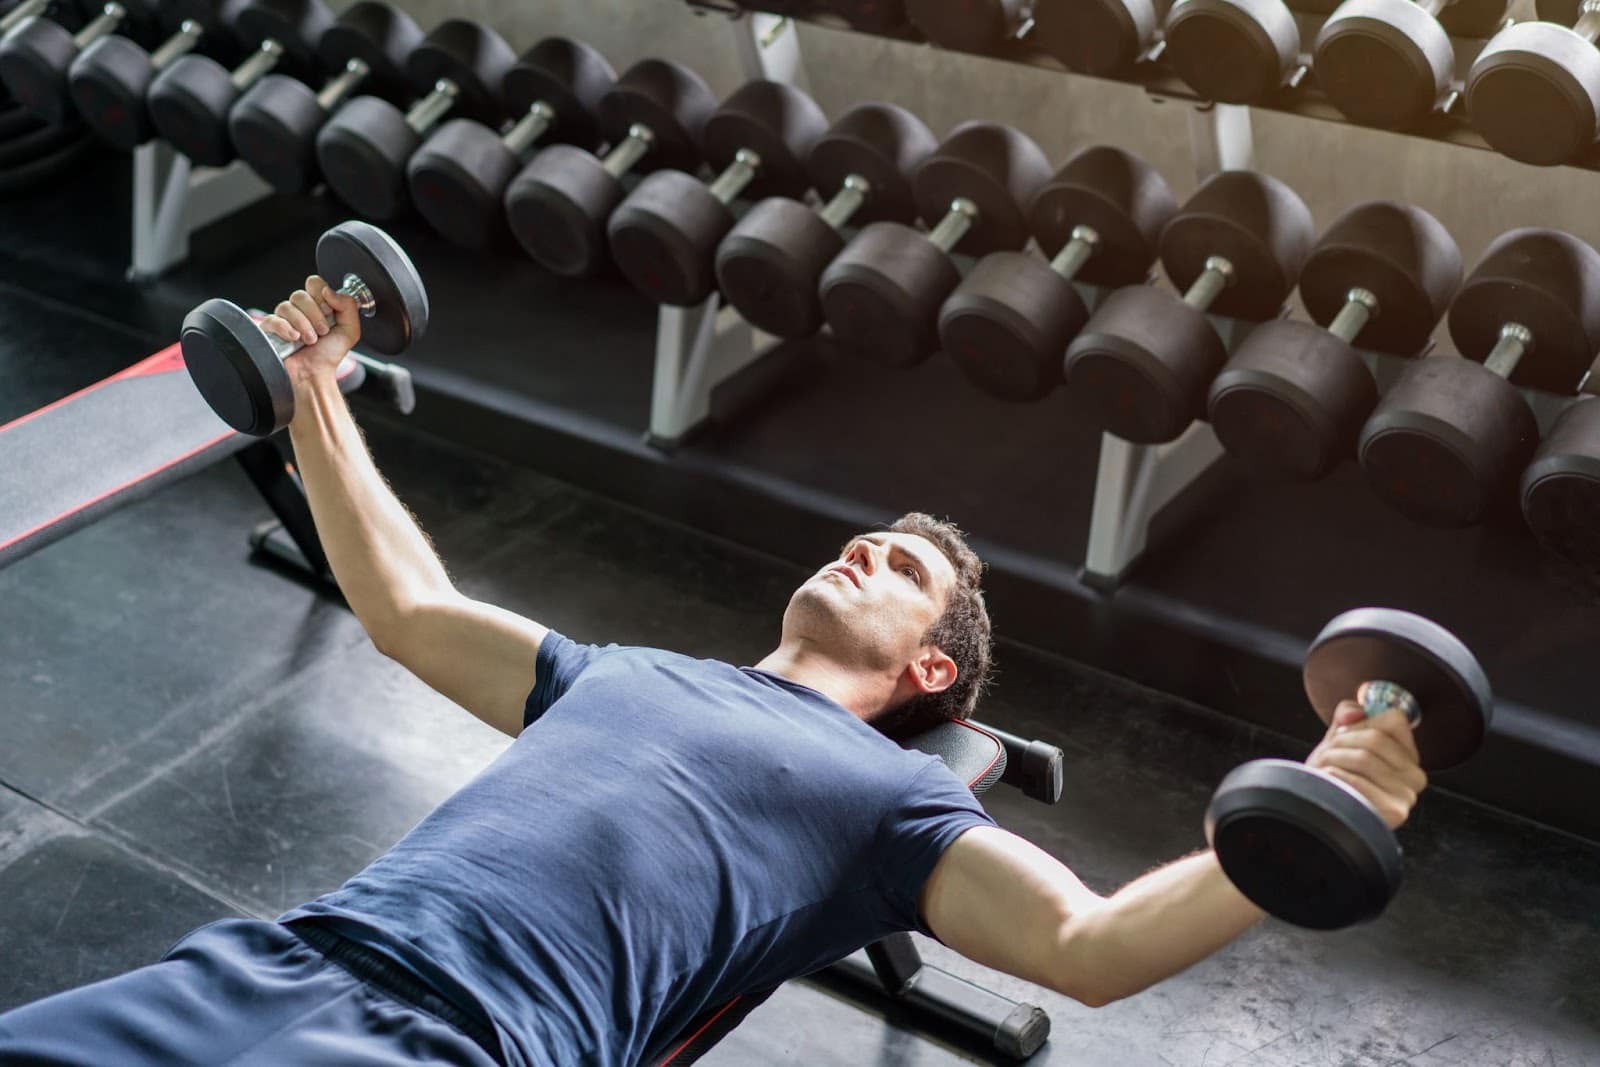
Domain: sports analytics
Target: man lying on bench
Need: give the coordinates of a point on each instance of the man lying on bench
(664, 835)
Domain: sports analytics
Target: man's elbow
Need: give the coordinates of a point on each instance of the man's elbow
(1087, 975)
(390, 629)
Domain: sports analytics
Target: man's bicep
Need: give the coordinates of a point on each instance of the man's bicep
(1005, 903)
(478, 655)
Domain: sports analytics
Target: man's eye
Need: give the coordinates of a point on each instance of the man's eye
(912, 573)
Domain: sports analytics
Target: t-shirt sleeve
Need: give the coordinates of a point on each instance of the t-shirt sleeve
(560, 662)
(936, 808)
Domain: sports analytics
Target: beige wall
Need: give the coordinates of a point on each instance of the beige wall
(1475, 193)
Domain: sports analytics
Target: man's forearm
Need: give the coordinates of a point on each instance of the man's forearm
(1159, 925)
(381, 559)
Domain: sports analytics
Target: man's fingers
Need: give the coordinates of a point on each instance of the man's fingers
(1373, 768)
(1394, 724)
(1394, 810)
(312, 311)
(278, 327)
(1348, 713)
(297, 318)
(1393, 755)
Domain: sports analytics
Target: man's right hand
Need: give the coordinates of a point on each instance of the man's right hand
(1376, 757)
(302, 318)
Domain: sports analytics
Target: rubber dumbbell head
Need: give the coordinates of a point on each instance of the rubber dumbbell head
(769, 264)
(1096, 36)
(459, 176)
(190, 100)
(239, 369)
(1385, 63)
(1561, 487)
(1141, 367)
(1232, 51)
(664, 236)
(560, 203)
(1009, 322)
(1451, 435)
(109, 80)
(882, 294)
(971, 25)
(1304, 846)
(274, 125)
(1292, 398)
(37, 53)
(1534, 90)
(363, 149)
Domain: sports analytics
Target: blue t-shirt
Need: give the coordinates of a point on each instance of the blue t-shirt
(666, 834)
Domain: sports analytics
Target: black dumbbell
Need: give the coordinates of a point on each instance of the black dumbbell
(239, 369)
(1449, 437)
(189, 102)
(1097, 36)
(1292, 398)
(1305, 846)
(971, 25)
(871, 16)
(274, 125)
(1233, 51)
(109, 80)
(882, 294)
(1010, 321)
(1534, 90)
(1141, 367)
(664, 236)
(364, 148)
(459, 176)
(769, 264)
(558, 207)
(1388, 63)
(37, 53)
(1561, 487)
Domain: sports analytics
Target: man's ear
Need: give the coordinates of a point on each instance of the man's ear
(933, 671)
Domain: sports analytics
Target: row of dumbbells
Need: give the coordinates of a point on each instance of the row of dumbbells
(1443, 444)
(1533, 92)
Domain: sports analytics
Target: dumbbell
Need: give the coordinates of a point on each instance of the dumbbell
(882, 294)
(459, 176)
(971, 25)
(769, 264)
(1534, 90)
(871, 16)
(37, 52)
(1305, 846)
(1009, 322)
(1141, 366)
(558, 207)
(274, 124)
(1561, 487)
(1292, 398)
(1097, 36)
(190, 100)
(1449, 437)
(664, 236)
(239, 369)
(1233, 51)
(364, 148)
(1388, 63)
(109, 79)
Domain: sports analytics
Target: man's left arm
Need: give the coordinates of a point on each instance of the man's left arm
(1007, 904)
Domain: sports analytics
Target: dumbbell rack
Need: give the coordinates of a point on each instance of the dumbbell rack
(172, 199)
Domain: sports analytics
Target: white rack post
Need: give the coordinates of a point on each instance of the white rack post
(1136, 481)
(172, 198)
(699, 347)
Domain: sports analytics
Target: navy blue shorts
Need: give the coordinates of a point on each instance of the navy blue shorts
(238, 992)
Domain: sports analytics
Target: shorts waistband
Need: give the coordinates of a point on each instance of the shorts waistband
(371, 967)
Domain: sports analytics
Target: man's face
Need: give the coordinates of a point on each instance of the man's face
(871, 607)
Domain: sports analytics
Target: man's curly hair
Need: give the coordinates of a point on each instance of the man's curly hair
(963, 633)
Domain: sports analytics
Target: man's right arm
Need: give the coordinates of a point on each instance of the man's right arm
(477, 655)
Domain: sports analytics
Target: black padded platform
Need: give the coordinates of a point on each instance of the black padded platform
(72, 461)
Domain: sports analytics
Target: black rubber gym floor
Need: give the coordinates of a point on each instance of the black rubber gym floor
(188, 734)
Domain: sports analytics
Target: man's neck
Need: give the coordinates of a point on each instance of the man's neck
(860, 695)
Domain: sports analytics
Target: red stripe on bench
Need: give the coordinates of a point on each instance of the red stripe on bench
(695, 1036)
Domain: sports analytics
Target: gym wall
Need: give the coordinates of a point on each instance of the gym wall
(1477, 194)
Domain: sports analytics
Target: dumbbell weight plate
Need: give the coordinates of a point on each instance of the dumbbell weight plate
(1521, 95)
(1008, 323)
(1561, 488)
(769, 265)
(1232, 51)
(401, 300)
(1420, 656)
(1303, 846)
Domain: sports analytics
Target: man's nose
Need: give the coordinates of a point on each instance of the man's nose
(862, 556)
